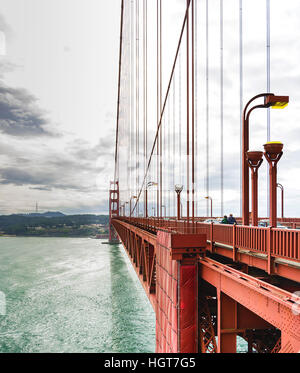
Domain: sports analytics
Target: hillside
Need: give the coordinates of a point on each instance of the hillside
(48, 214)
(53, 225)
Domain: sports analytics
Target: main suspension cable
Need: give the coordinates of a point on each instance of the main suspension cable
(119, 96)
(164, 105)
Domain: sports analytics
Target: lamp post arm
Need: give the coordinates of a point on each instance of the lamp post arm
(280, 186)
(254, 98)
(253, 108)
(246, 129)
(245, 148)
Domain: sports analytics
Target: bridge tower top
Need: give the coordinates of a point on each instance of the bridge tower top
(114, 207)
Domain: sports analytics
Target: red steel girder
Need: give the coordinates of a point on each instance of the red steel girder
(267, 301)
(144, 262)
(276, 251)
(253, 304)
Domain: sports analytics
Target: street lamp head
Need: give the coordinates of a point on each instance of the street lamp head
(151, 183)
(273, 149)
(178, 188)
(207, 197)
(270, 100)
(254, 158)
(276, 102)
(279, 186)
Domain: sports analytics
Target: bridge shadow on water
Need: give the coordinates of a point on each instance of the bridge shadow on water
(133, 319)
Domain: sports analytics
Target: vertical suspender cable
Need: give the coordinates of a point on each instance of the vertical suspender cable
(188, 117)
(127, 123)
(174, 143)
(207, 110)
(196, 106)
(165, 138)
(116, 176)
(132, 117)
(222, 105)
(165, 157)
(241, 95)
(179, 120)
(164, 102)
(137, 101)
(158, 106)
(268, 90)
(168, 163)
(193, 110)
(145, 73)
(268, 64)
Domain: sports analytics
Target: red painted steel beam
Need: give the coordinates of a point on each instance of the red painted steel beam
(263, 248)
(125, 232)
(149, 237)
(177, 295)
(267, 301)
(188, 311)
(244, 302)
(227, 323)
(175, 299)
(257, 260)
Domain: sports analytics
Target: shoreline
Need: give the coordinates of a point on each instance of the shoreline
(94, 238)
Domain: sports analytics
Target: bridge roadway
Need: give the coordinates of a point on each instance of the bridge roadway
(207, 280)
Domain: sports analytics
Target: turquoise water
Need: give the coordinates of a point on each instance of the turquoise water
(71, 295)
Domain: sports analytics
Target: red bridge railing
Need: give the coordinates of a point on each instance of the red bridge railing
(275, 242)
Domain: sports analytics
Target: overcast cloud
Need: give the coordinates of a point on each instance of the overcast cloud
(56, 107)
(58, 98)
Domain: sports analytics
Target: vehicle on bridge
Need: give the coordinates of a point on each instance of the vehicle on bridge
(215, 221)
(266, 223)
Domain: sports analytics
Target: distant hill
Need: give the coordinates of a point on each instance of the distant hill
(48, 214)
(25, 224)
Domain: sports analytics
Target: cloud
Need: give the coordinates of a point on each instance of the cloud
(50, 169)
(4, 26)
(45, 180)
(20, 114)
(64, 175)
(104, 148)
(41, 188)
(6, 67)
(79, 172)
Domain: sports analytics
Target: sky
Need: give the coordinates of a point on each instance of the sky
(58, 98)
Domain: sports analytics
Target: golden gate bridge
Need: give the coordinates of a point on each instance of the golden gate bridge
(208, 282)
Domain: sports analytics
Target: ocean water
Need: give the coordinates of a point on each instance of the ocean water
(71, 295)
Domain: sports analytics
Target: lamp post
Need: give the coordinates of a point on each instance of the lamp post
(270, 100)
(255, 159)
(178, 190)
(273, 153)
(163, 206)
(282, 198)
(122, 208)
(211, 205)
(149, 184)
(133, 197)
(126, 203)
(154, 213)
